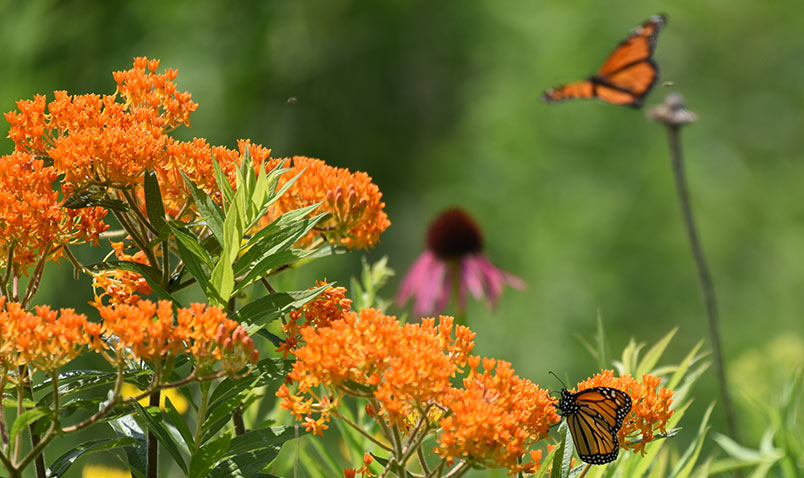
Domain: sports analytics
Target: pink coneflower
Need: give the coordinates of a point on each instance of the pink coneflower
(453, 261)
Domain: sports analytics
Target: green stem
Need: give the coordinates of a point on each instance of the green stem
(704, 276)
(202, 414)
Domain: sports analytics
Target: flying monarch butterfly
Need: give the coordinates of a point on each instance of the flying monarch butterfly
(594, 417)
(626, 76)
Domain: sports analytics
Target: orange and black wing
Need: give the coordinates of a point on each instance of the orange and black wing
(594, 417)
(626, 76)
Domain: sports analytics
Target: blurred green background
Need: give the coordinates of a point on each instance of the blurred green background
(440, 103)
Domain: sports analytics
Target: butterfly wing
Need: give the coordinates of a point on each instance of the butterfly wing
(594, 417)
(577, 89)
(638, 47)
(593, 440)
(627, 75)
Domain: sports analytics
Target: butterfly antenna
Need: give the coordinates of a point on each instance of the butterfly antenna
(557, 377)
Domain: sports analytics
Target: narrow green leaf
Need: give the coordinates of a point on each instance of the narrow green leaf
(684, 366)
(223, 184)
(262, 438)
(192, 244)
(208, 455)
(232, 232)
(207, 208)
(89, 198)
(269, 371)
(162, 434)
(687, 461)
(181, 425)
(136, 453)
(563, 457)
(27, 418)
(153, 201)
(267, 308)
(269, 263)
(61, 464)
(653, 355)
(252, 451)
(273, 238)
(222, 282)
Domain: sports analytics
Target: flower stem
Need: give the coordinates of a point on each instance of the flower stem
(585, 470)
(704, 276)
(153, 444)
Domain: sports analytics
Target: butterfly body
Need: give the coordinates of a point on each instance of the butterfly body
(626, 76)
(594, 417)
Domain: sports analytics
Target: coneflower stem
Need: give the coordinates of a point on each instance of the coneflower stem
(704, 276)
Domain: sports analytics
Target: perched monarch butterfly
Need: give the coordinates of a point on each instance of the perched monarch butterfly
(626, 76)
(594, 417)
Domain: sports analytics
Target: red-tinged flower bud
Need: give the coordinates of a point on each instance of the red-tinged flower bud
(352, 197)
(370, 411)
(221, 334)
(255, 356)
(239, 334)
(247, 344)
(228, 346)
(330, 197)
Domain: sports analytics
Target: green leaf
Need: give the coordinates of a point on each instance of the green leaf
(61, 464)
(687, 461)
(90, 198)
(153, 201)
(223, 184)
(208, 455)
(683, 367)
(151, 275)
(268, 372)
(162, 434)
(207, 208)
(654, 354)
(260, 312)
(222, 283)
(27, 418)
(232, 233)
(181, 425)
(563, 457)
(137, 452)
(252, 451)
(271, 262)
(273, 238)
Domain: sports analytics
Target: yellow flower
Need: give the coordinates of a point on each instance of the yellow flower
(102, 471)
(176, 398)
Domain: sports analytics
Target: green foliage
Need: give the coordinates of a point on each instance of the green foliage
(372, 278)
(781, 448)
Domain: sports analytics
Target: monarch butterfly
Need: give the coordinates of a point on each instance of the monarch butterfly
(594, 417)
(626, 76)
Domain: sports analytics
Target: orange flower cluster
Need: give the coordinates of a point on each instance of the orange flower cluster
(96, 140)
(354, 203)
(33, 220)
(147, 331)
(119, 285)
(331, 305)
(494, 417)
(45, 340)
(363, 471)
(404, 367)
(650, 408)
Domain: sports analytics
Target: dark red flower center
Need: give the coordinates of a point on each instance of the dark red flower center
(454, 234)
